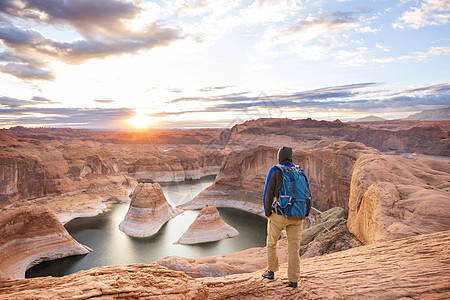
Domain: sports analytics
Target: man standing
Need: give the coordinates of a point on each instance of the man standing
(276, 222)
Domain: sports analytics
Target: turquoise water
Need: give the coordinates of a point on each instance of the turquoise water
(113, 247)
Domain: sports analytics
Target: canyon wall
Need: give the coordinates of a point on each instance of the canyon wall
(178, 164)
(411, 268)
(82, 178)
(241, 179)
(29, 236)
(395, 136)
(393, 197)
(388, 197)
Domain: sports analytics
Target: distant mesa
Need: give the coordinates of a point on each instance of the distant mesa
(148, 212)
(431, 115)
(207, 227)
(370, 118)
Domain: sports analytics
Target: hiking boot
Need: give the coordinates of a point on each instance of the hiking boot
(268, 275)
(292, 284)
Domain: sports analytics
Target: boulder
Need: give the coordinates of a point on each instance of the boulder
(207, 227)
(148, 211)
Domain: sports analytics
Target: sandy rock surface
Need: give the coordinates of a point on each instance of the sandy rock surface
(393, 197)
(411, 268)
(148, 211)
(30, 235)
(207, 227)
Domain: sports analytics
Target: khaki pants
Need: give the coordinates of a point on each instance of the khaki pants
(294, 229)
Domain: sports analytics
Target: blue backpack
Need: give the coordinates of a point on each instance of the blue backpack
(295, 194)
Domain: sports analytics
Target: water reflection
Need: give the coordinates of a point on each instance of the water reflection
(113, 247)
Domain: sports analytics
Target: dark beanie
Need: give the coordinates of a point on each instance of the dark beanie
(285, 155)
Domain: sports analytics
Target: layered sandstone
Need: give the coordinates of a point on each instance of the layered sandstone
(430, 137)
(393, 197)
(178, 164)
(29, 236)
(411, 268)
(241, 179)
(148, 211)
(207, 227)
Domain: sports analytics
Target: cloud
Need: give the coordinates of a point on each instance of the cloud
(353, 97)
(106, 28)
(344, 100)
(15, 103)
(314, 36)
(105, 100)
(213, 88)
(430, 12)
(95, 118)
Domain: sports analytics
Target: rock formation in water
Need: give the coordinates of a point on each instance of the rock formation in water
(148, 211)
(29, 236)
(207, 227)
(411, 268)
(417, 137)
(393, 197)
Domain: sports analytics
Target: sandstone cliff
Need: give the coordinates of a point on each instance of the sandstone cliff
(207, 227)
(29, 236)
(148, 212)
(410, 268)
(241, 179)
(393, 197)
(410, 137)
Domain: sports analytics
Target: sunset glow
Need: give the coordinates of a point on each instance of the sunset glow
(91, 64)
(140, 121)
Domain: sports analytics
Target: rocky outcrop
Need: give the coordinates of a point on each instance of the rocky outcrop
(393, 197)
(137, 281)
(421, 137)
(246, 261)
(410, 268)
(240, 182)
(329, 170)
(29, 236)
(148, 212)
(329, 235)
(207, 227)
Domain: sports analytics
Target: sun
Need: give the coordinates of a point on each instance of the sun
(140, 121)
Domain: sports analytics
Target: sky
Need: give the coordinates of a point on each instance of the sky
(130, 64)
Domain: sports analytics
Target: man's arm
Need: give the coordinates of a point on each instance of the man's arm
(271, 189)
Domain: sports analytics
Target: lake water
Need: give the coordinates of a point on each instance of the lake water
(113, 247)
